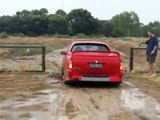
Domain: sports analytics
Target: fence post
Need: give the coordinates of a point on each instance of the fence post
(131, 59)
(43, 59)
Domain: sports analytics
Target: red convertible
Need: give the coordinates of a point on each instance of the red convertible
(91, 61)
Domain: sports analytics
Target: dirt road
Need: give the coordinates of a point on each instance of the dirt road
(35, 96)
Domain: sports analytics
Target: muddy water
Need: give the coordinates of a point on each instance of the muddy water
(31, 104)
(140, 104)
(81, 102)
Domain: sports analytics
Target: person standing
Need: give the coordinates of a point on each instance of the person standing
(151, 51)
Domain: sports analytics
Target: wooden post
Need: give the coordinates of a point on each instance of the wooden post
(43, 59)
(131, 59)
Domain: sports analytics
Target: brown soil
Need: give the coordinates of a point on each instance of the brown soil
(13, 84)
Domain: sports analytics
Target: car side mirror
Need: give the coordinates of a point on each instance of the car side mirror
(63, 53)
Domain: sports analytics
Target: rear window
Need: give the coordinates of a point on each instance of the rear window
(89, 47)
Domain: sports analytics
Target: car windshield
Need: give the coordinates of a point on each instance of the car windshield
(89, 47)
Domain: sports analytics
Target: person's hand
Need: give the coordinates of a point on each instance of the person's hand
(146, 41)
(152, 52)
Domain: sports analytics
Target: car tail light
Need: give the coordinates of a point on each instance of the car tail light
(69, 58)
(121, 67)
(113, 54)
(70, 65)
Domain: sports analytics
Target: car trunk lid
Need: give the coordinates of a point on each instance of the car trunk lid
(96, 63)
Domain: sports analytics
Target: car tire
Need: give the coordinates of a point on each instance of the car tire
(62, 74)
(117, 84)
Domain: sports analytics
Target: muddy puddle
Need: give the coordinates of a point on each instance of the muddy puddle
(140, 104)
(62, 102)
(35, 108)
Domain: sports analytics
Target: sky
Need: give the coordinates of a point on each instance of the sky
(147, 10)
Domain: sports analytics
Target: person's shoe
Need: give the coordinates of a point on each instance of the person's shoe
(149, 73)
(153, 75)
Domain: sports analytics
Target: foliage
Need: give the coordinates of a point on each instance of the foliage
(3, 35)
(126, 24)
(106, 28)
(81, 21)
(78, 22)
(81, 35)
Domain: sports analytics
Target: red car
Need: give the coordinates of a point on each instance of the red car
(91, 61)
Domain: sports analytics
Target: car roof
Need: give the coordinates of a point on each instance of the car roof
(89, 42)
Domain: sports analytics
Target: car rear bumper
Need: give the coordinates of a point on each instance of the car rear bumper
(93, 78)
(75, 76)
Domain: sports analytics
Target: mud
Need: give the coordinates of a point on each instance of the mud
(36, 96)
(141, 105)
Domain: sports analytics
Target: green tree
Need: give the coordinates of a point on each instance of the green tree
(152, 26)
(8, 24)
(155, 26)
(81, 21)
(23, 18)
(144, 30)
(117, 32)
(61, 13)
(57, 24)
(33, 22)
(43, 11)
(78, 21)
(106, 28)
(128, 23)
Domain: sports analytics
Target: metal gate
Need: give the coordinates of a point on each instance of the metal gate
(28, 57)
(133, 55)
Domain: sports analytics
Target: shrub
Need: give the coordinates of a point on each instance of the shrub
(3, 35)
(97, 36)
(19, 35)
(60, 36)
(81, 35)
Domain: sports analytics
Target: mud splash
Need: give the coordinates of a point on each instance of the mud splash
(143, 106)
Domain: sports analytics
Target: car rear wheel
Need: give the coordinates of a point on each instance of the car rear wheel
(62, 74)
(117, 84)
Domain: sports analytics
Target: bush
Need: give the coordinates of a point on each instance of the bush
(97, 36)
(3, 35)
(81, 35)
(19, 35)
(127, 38)
(60, 36)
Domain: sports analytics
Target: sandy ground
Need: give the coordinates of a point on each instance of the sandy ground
(36, 96)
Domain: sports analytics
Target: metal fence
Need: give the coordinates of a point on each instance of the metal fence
(142, 57)
(22, 57)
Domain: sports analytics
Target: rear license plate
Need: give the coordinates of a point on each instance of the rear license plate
(96, 65)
